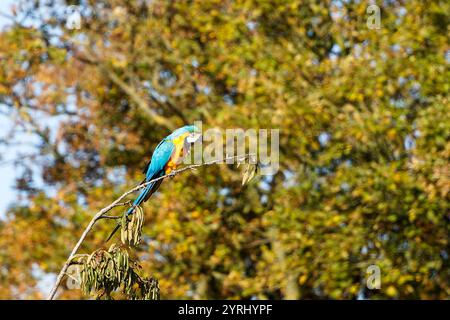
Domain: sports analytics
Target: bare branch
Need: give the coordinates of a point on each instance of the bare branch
(110, 217)
(89, 57)
(140, 102)
(101, 214)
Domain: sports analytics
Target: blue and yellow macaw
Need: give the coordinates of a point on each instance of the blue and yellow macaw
(167, 156)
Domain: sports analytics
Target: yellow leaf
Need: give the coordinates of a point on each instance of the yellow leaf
(391, 291)
(303, 279)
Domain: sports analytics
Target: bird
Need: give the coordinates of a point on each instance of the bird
(168, 154)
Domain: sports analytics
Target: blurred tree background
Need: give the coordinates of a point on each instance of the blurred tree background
(364, 143)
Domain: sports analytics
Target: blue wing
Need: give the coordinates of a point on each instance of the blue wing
(160, 157)
(155, 169)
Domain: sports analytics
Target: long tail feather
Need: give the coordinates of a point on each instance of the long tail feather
(143, 196)
(113, 232)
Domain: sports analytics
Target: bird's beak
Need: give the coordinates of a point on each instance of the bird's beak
(193, 137)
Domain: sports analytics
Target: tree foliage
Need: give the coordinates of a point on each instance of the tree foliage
(364, 128)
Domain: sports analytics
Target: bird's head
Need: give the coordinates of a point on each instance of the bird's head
(192, 129)
(191, 132)
(194, 134)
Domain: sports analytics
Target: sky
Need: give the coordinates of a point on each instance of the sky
(5, 8)
(7, 170)
(7, 173)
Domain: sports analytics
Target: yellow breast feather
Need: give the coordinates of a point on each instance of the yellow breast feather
(177, 153)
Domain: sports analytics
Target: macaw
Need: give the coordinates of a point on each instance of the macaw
(167, 156)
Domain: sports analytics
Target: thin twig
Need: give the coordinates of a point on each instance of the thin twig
(101, 214)
(110, 217)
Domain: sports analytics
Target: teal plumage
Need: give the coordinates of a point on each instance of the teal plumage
(157, 167)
